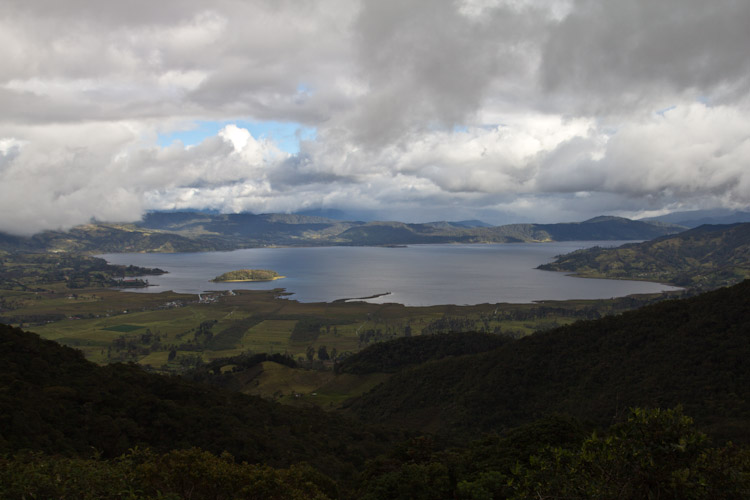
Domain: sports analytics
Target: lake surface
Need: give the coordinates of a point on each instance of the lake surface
(419, 275)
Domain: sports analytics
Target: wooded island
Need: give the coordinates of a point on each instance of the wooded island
(248, 275)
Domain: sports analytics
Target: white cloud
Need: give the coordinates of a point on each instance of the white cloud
(423, 109)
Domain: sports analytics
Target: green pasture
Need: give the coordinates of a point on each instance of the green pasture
(111, 325)
(298, 386)
(345, 386)
(271, 321)
(123, 328)
(281, 382)
(268, 336)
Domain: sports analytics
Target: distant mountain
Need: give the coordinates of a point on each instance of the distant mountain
(336, 214)
(197, 231)
(697, 218)
(705, 257)
(464, 223)
(607, 228)
(692, 352)
(599, 228)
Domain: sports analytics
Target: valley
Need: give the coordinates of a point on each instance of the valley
(477, 401)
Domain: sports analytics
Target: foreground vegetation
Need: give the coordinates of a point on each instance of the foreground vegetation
(142, 474)
(653, 454)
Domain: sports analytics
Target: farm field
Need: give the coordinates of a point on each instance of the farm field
(171, 332)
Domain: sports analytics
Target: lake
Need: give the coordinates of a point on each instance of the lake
(418, 275)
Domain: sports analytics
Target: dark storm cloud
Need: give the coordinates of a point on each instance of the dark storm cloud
(612, 55)
(428, 65)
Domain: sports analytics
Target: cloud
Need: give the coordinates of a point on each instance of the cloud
(691, 150)
(499, 109)
(614, 56)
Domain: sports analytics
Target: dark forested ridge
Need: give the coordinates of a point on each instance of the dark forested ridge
(388, 357)
(692, 352)
(705, 257)
(53, 400)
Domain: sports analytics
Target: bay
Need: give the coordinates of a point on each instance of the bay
(418, 275)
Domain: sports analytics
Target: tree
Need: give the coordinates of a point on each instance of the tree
(654, 454)
(323, 353)
(310, 353)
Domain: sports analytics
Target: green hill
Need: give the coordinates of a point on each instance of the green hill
(389, 357)
(692, 352)
(53, 400)
(704, 257)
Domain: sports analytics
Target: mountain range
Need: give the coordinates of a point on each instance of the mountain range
(695, 218)
(197, 231)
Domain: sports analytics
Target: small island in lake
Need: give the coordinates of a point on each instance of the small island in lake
(248, 275)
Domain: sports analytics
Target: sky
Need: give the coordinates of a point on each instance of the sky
(412, 110)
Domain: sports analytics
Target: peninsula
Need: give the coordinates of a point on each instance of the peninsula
(248, 275)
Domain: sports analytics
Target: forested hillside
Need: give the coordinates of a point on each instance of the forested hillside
(692, 352)
(55, 401)
(388, 357)
(705, 257)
